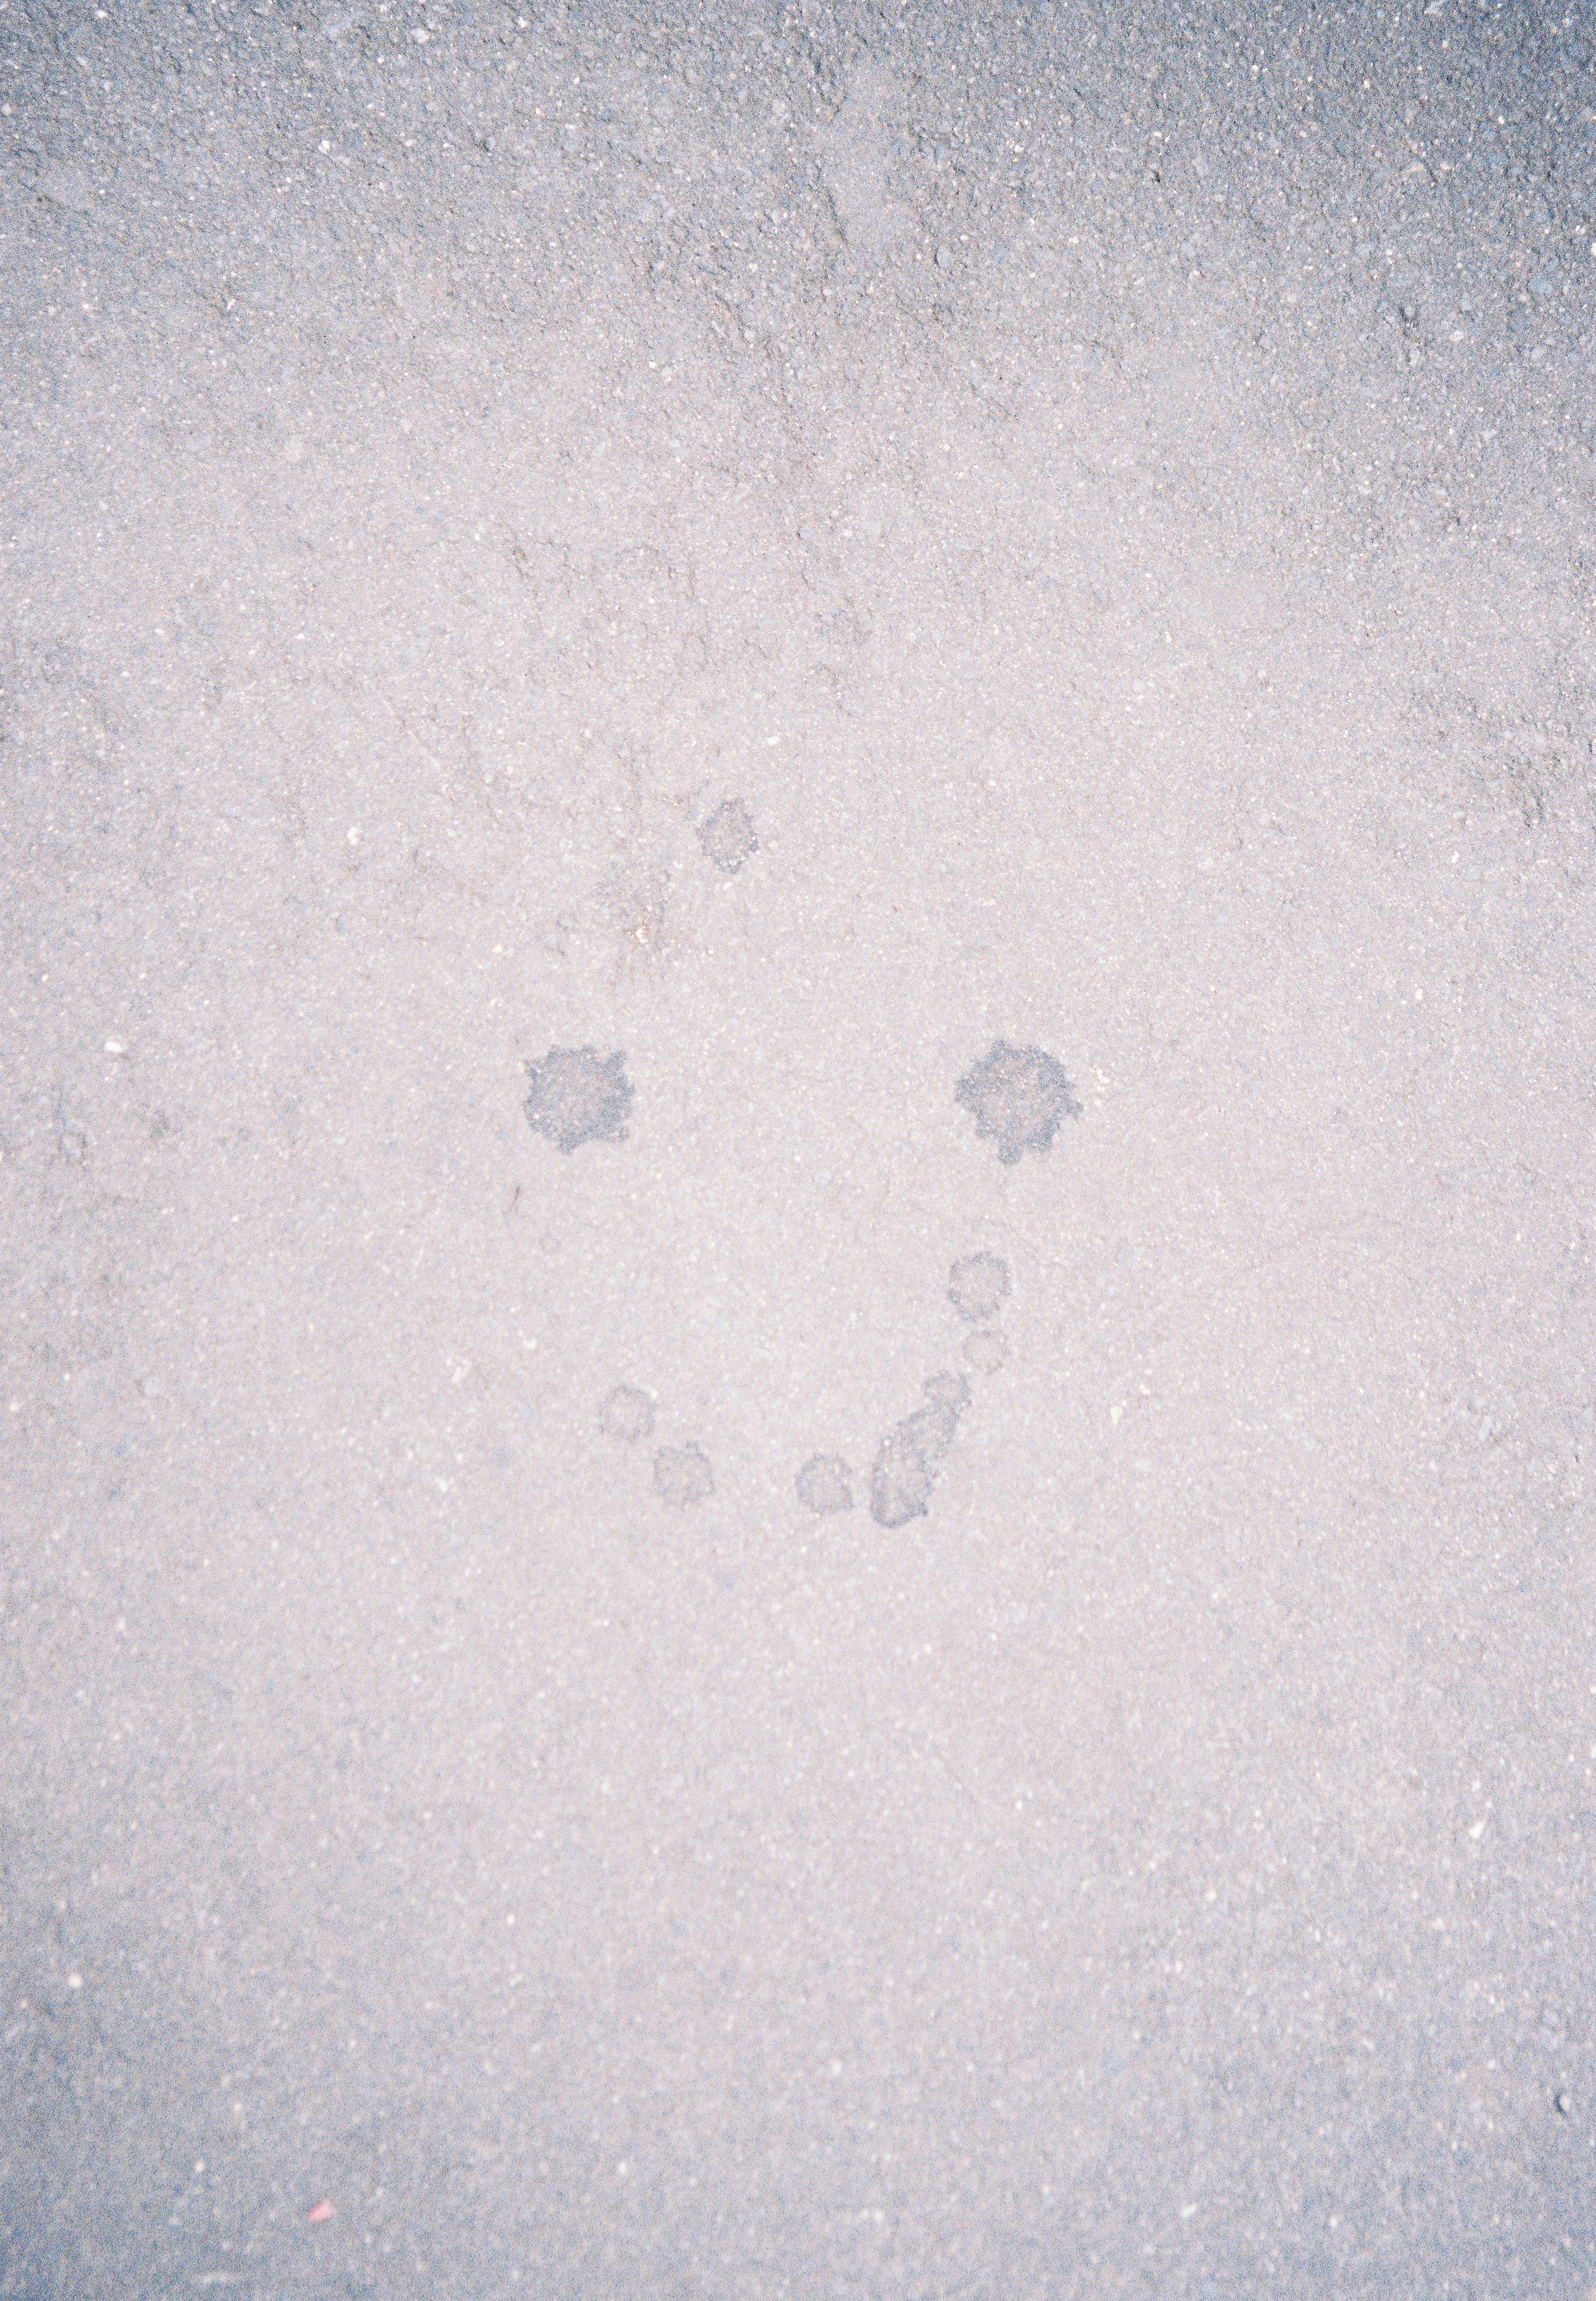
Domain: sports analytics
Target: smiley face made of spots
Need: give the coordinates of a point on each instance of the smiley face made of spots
(1018, 1098)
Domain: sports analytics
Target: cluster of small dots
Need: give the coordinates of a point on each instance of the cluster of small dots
(908, 1457)
(682, 1475)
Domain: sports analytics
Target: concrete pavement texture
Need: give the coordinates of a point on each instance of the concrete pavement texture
(797, 1096)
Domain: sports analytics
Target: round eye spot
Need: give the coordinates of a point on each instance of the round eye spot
(1018, 1095)
(579, 1096)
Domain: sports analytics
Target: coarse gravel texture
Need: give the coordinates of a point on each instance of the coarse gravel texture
(1107, 495)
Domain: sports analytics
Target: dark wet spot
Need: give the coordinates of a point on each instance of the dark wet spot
(729, 837)
(986, 1350)
(825, 1483)
(901, 1482)
(929, 1432)
(1018, 1095)
(683, 1475)
(947, 1395)
(978, 1286)
(627, 1413)
(906, 1463)
(579, 1096)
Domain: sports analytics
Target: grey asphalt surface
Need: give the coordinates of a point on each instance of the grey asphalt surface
(623, 635)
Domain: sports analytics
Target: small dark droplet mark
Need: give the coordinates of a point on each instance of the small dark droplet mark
(901, 1482)
(825, 1483)
(906, 1460)
(683, 1475)
(728, 837)
(627, 1414)
(979, 1286)
(946, 1396)
(1018, 1095)
(579, 1096)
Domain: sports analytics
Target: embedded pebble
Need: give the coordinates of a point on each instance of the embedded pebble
(986, 1350)
(978, 1286)
(683, 1475)
(627, 1413)
(1018, 1095)
(825, 1483)
(579, 1096)
(729, 837)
